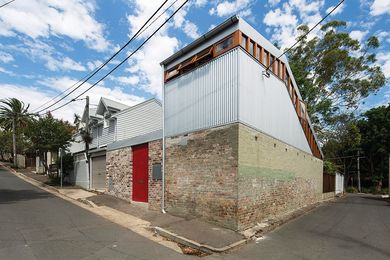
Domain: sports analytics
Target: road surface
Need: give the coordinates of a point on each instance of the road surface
(35, 224)
(355, 227)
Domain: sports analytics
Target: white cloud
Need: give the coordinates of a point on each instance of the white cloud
(339, 9)
(380, 7)
(273, 2)
(56, 85)
(358, 35)
(384, 59)
(41, 51)
(191, 30)
(148, 62)
(226, 8)
(131, 80)
(5, 57)
(7, 72)
(284, 20)
(94, 64)
(43, 18)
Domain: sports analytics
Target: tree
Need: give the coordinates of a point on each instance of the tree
(48, 134)
(334, 72)
(13, 115)
(375, 129)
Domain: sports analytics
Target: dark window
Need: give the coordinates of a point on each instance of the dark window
(258, 50)
(244, 40)
(265, 58)
(224, 45)
(251, 47)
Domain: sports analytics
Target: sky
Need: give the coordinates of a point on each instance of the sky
(46, 46)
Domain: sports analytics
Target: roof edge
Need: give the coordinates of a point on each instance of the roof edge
(200, 40)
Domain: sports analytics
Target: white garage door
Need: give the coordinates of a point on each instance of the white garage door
(79, 175)
(99, 172)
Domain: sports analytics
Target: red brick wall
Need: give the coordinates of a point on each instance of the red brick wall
(119, 167)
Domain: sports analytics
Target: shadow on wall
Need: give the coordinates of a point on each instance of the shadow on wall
(13, 196)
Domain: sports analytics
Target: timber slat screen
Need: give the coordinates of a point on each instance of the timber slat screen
(329, 183)
(264, 57)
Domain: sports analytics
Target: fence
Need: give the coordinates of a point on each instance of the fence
(329, 183)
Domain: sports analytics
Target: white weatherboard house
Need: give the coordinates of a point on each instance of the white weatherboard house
(110, 122)
(240, 147)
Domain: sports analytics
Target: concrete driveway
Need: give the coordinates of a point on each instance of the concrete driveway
(354, 227)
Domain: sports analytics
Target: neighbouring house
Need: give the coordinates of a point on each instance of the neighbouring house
(240, 147)
(125, 151)
(102, 125)
(49, 157)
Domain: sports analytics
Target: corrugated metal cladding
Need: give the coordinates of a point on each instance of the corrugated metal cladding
(140, 120)
(203, 98)
(266, 105)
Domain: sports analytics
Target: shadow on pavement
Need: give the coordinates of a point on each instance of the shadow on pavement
(12, 196)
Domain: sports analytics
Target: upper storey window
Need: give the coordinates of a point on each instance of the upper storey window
(251, 48)
(224, 45)
(244, 41)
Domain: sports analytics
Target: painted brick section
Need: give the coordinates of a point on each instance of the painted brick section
(201, 175)
(274, 178)
(119, 165)
(155, 157)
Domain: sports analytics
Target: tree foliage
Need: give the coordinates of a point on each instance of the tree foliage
(334, 72)
(13, 117)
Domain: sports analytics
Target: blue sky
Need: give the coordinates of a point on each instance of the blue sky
(47, 45)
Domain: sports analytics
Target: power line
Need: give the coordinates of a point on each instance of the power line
(107, 61)
(303, 36)
(7, 3)
(129, 56)
(35, 109)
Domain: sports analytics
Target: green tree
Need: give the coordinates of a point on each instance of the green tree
(48, 134)
(334, 72)
(13, 115)
(375, 130)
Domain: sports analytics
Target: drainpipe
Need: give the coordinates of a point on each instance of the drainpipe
(163, 145)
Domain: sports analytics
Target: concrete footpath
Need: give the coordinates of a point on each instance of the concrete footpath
(189, 236)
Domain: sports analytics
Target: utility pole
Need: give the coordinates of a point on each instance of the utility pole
(61, 166)
(86, 143)
(358, 170)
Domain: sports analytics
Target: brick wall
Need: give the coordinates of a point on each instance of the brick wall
(274, 178)
(155, 156)
(119, 174)
(201, 172)
(119, 167)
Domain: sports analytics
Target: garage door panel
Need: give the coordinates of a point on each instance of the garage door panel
(99, 172)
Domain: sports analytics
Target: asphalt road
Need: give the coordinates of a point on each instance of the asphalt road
(355, 227)
(35, 224)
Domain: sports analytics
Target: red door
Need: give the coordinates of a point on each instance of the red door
(140, 172)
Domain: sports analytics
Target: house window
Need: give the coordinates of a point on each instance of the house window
(272, 63)
(244, 40)
(258, 50)
(287, 78)
(251, 48)
(172, 73)
(265, 58)
(224, 45)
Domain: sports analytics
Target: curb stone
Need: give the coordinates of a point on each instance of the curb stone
(201, 247)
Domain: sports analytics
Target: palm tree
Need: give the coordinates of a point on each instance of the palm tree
(13, 114)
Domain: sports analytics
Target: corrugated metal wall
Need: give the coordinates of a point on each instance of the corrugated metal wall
(265, 104)
(140, 120)
(203, 98)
